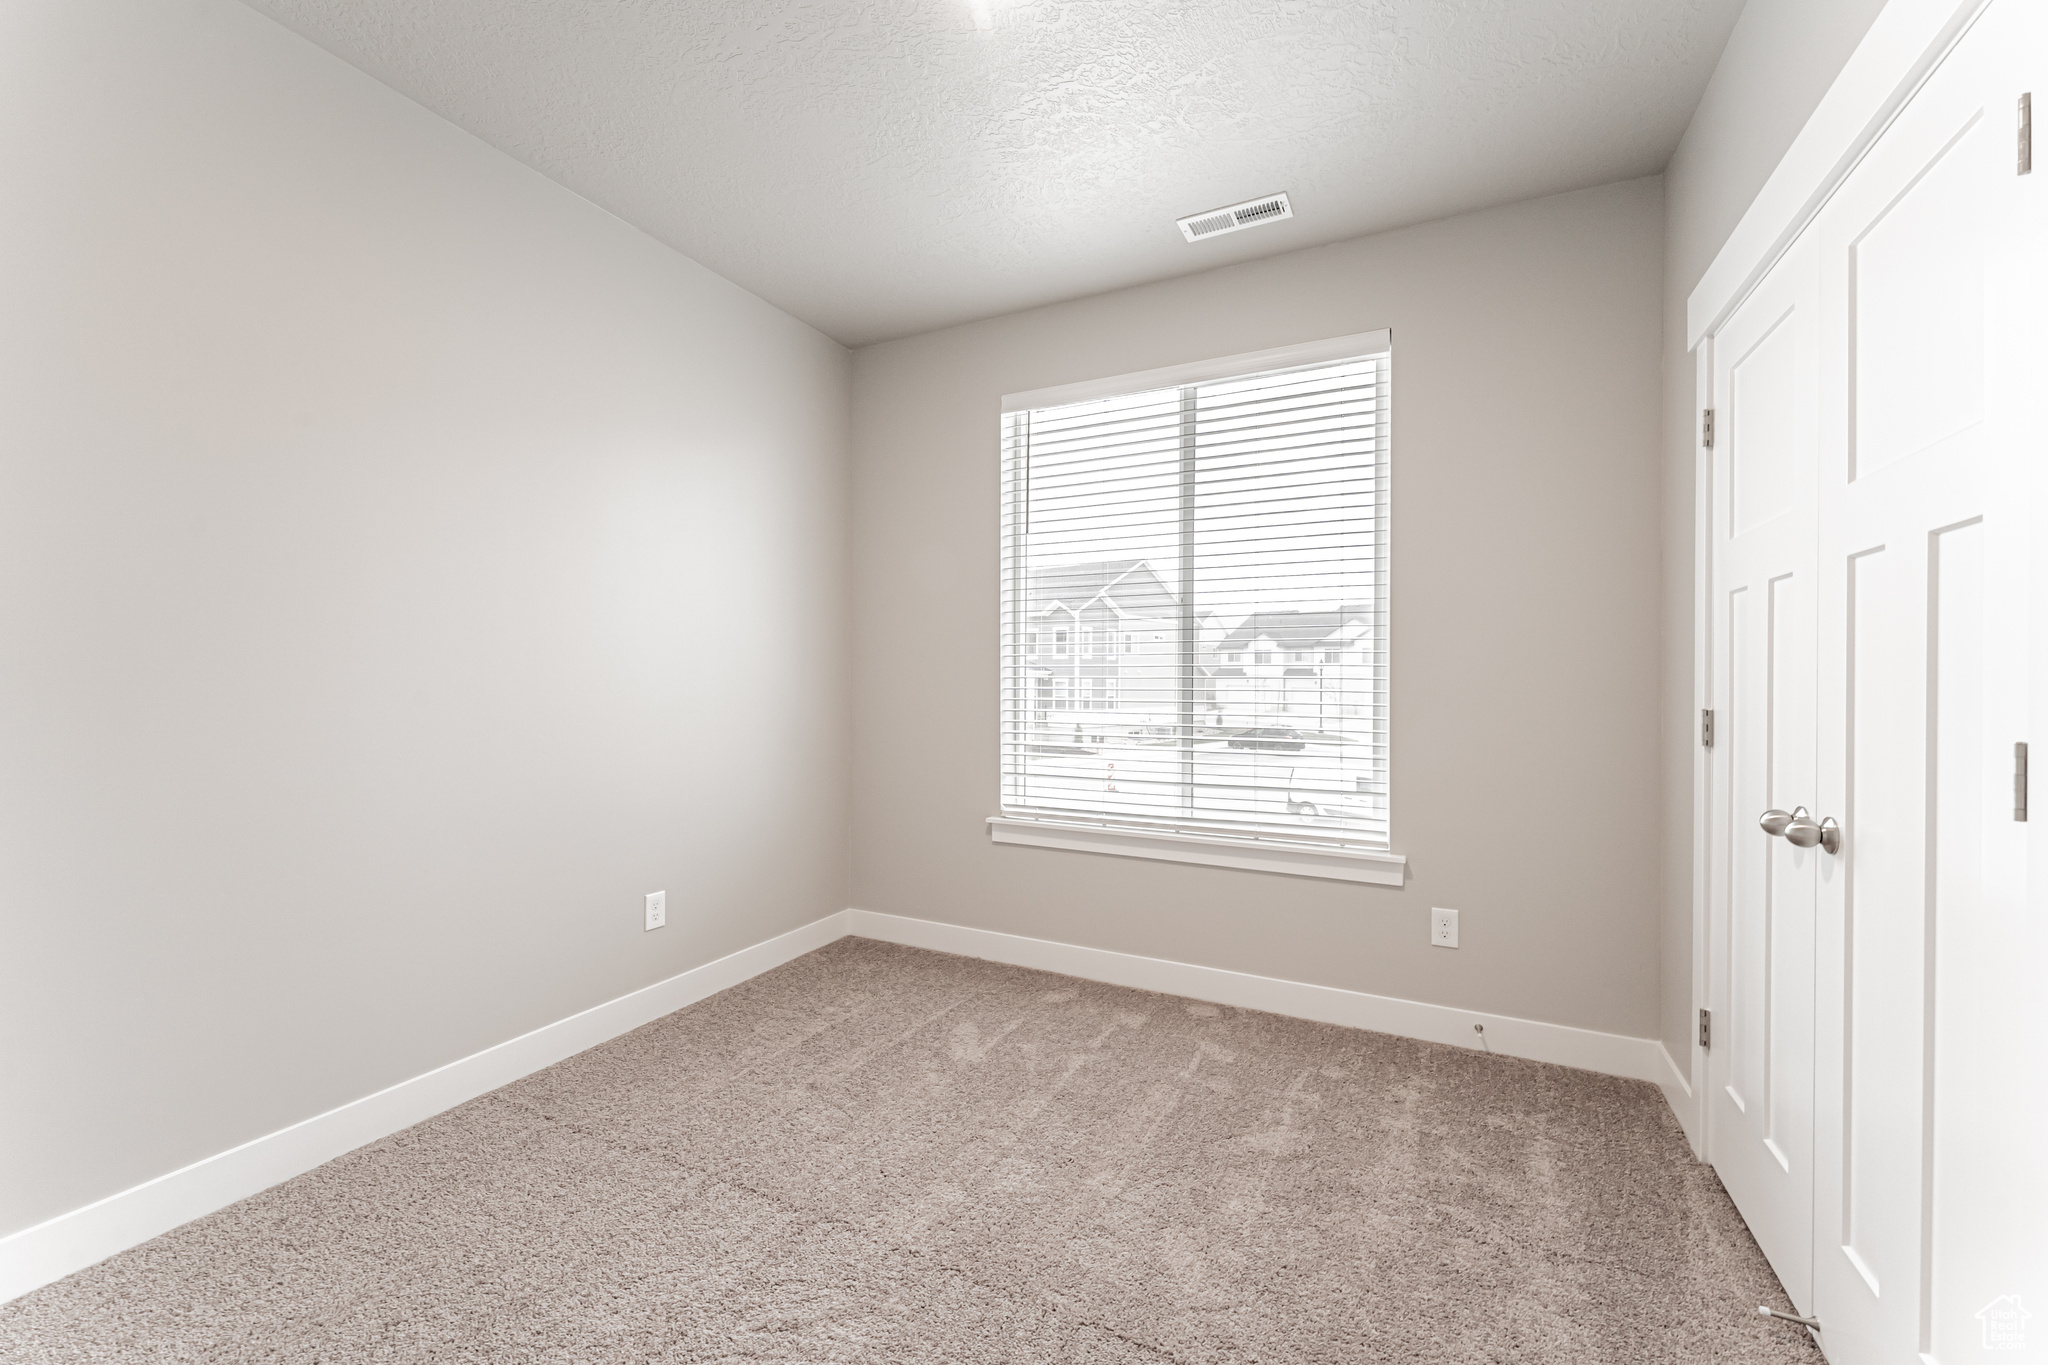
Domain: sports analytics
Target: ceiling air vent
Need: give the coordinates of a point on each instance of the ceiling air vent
(1252, 212)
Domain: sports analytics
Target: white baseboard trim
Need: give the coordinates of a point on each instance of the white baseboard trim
(38, 1255)
(1678, 1093)
(1673, 1076)
(1640, 1059)
(70, 1242)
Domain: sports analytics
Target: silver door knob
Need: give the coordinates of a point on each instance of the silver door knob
(1801, 830)
(1774, 822)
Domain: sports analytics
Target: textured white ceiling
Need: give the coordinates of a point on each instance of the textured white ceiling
(886, 167)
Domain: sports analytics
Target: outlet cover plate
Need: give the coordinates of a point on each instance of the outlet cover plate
(657, 909)
(1443, 928)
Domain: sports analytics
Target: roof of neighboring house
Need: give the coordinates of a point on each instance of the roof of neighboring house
(1129, 585)
(1291, 629)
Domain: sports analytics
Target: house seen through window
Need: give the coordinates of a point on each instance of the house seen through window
(1218, 550)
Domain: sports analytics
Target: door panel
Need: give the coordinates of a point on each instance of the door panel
(1965, 1101)
(1921, 698)
(1917, 309)
(1762, 425)
(1884, 898)
(1760, 1081)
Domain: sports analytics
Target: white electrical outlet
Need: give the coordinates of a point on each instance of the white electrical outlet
(657, 909)
(1443, 927)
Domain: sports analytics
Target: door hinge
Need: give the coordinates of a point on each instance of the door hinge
(1707, 1029)
(2027, 133)
(1707, 727)
(1707, 428)
(2019, 781)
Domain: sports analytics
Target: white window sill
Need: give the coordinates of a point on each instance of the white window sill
(1257, 855)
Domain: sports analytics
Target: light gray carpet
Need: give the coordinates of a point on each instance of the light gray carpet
(881, 1154)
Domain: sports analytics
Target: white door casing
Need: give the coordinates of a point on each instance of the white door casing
(1761, 942)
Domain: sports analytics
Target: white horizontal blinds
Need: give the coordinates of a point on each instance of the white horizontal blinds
(1194, 606)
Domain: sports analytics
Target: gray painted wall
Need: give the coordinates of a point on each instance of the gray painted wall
(405, 566)
(1524, 616)
(1781, 58)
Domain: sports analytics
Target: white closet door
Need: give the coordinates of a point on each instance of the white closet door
(1761, 889)
(1924, 1022)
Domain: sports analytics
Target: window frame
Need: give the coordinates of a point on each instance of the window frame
(1306, 855)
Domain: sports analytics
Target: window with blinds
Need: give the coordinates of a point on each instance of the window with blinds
(1194, 603)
